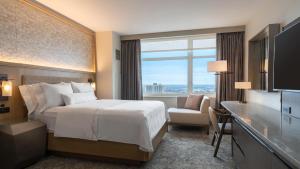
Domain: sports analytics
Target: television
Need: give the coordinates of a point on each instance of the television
(287, 59)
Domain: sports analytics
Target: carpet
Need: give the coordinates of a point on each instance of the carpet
(181, 148)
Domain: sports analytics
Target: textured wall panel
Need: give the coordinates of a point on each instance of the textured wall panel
(30, 36)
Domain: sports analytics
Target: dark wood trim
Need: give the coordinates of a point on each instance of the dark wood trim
(184, 32)
(294, 22)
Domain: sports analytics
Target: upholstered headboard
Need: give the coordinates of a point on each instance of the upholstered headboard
(26, 79)
(21, 74)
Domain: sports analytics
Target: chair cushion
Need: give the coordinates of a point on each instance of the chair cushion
(186, 111)
(205, 104)
(193, 102)
(187, 116)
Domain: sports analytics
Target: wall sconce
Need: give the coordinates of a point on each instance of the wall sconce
(93, 84)
(6, 91)
(7, 88)
(242, 86)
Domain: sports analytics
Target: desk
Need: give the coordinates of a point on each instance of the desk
(263, 137)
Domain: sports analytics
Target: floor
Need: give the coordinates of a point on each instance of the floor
(181, 148)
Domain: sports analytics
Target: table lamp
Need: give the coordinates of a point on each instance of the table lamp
(217, 66)
(242, 86)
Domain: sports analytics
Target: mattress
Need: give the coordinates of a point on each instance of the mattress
(133, 122)
(49, 117)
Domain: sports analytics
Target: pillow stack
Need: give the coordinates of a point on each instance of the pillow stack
(83, 92)
(41, 96)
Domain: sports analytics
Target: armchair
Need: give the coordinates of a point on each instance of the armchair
(182, 116)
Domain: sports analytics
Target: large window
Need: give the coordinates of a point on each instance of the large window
(178, 66)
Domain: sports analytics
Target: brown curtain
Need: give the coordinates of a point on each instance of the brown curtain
(230, 47)
(131, 78)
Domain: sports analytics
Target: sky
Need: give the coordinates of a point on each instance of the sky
(175, 72)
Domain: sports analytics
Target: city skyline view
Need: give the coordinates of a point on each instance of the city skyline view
(174, 66)
(172, 72)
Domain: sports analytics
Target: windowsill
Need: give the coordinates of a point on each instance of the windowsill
(166, 96)
(174, 96)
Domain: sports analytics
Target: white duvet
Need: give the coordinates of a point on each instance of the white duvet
(133, 122)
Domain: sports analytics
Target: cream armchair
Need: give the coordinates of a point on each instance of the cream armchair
(182, 116)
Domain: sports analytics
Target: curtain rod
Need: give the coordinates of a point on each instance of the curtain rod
(185, 32)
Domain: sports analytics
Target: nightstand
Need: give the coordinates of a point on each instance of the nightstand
(22, 143)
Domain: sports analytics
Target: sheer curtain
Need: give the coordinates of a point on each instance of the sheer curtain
(131, 76)
(230, 47)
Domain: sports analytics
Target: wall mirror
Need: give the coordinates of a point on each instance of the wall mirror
(261, 55)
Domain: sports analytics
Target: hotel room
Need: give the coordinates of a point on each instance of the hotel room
(157, 84)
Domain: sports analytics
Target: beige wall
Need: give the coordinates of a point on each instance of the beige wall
(108, 68)
(116, 66)
(30, 36)
(279, 11)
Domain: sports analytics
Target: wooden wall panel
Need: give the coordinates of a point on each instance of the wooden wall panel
(15, 72)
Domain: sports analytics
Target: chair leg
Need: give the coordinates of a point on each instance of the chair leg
(231, 146)
(207, 130)
(213, 140)
(218, 144)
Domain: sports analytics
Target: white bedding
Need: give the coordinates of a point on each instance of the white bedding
(133, 122)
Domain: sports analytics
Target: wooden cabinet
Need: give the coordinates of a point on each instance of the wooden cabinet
(277, 163)
(249, 152)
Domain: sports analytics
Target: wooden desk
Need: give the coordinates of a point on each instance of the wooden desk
(263, 138)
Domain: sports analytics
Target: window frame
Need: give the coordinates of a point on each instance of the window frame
(189, 58)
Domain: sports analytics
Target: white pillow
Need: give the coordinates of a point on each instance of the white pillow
(28, 98)
(82, 87)
(76, 98)
(53, 93)
(33, 97)
(39, 97)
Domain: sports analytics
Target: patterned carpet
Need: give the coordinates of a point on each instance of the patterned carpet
(181, 148)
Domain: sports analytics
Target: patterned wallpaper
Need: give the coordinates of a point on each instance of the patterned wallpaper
(30, 36)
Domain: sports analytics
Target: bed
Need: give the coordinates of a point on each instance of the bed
(113, 129)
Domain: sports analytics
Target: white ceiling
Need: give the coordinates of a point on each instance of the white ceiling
(146, 16)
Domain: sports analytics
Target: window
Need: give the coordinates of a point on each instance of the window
(178, 66)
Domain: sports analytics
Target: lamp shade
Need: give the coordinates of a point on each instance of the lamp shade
(6, 88)
(217, 66)
(242, 85)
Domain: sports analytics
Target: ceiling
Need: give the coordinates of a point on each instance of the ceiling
(147, 16)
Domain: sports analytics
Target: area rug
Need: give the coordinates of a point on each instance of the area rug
(181, 148)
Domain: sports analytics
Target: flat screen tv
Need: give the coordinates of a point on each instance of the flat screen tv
(287, 59)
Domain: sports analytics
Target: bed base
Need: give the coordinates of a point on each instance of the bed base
(104, 150)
